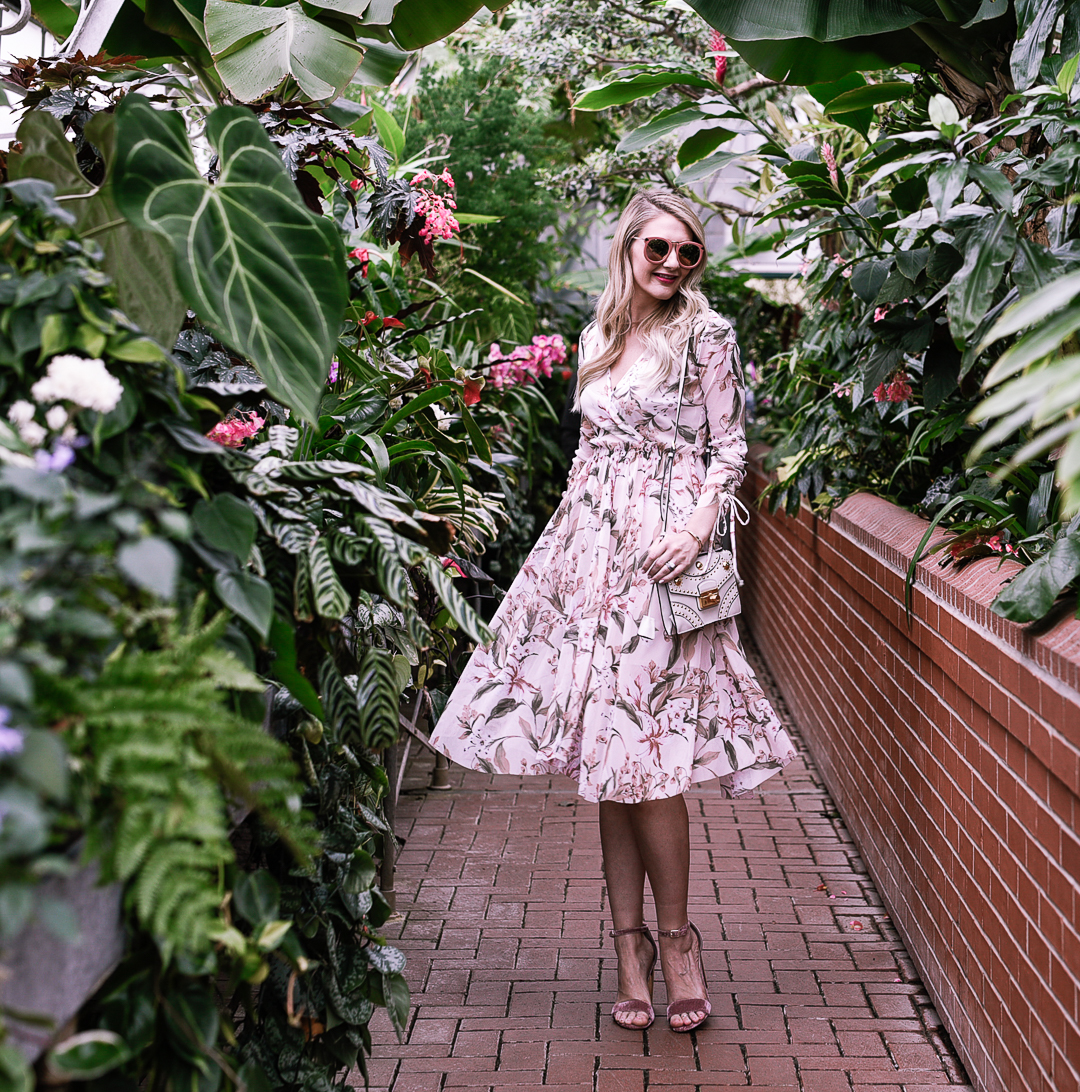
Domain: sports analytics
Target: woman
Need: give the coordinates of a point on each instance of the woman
(580, 679)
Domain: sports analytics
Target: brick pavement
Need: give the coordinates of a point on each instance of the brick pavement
(503, 917)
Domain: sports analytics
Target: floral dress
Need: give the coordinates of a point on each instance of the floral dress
(573, 683)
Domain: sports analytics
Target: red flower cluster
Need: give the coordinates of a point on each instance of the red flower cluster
(363, 257)
(717, 45)
(898, 389)
(371, 317)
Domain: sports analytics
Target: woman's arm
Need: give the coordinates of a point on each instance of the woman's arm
(722, 390)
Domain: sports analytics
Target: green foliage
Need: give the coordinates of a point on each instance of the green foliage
(494, 148)
(164, 755)
(263, 271)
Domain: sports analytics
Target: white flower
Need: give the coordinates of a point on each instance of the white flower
(33, 434)
(56, 418)
(75, 379)
(21, 412)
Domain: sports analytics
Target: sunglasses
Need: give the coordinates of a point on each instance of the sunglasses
(688, 255)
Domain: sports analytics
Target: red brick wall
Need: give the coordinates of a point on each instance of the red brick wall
(952, 748)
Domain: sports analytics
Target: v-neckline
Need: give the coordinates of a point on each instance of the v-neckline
(614, 384)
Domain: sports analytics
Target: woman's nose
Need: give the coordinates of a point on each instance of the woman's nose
(672, 260)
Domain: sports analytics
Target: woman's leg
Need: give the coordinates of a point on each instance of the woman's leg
(624, 872)
(661, 830)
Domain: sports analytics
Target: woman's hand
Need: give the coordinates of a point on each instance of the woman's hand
(670, 556)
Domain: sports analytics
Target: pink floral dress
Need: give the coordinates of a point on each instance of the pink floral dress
(572, 684)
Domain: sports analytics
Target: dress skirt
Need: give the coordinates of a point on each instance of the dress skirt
(576, 681)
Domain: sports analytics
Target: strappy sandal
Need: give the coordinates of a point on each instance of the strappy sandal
(632, 1006)
(691, 1004)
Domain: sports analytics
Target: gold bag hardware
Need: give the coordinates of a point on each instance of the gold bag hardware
(709, 598)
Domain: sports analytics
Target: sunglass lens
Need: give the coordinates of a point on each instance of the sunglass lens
(656, 250)
(689, 254)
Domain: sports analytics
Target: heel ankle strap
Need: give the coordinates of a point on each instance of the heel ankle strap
(674, 933)
(626, 932)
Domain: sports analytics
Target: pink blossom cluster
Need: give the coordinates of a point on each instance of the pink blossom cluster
(881, 312)
(527, 362)
(847, 270)
(830, 162)
(235, 430)
(717, 45)
(898, 389)
(436, 208)
(843, 390)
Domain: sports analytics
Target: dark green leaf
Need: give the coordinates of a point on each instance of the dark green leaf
(247, 595)
(418, 23)
(1033, 591)
(874, 94)
(1035, 21)
(396, 997)
(331, 600)
(867, 279)
(705, 168)
(702, 143)
(994, 183)
(266, 274)
(642, 85)
(227, 524)
(946, 184)
(152, 564)
(990, 244)
(139, 262)
(377, 699)
(257, 897)
(667, 121)
(282, 640)
(941, 373)
(255, 48)
(88, 1054)
(912, 262)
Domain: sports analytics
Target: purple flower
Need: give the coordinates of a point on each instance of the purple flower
(332, 377)
(62, 456)
(11, 739)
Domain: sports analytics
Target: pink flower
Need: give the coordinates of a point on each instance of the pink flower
(847, 270)
(830, 162)
(451, 566)
(841, 390)
(354, 184)
(235, 430)
(804, 268)
(717, 45)
(527, 362)
(436, 208)
(898, 389)
(995, 544)
(881, 312)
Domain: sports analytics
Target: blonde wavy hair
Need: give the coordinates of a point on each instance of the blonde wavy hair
(665, 331)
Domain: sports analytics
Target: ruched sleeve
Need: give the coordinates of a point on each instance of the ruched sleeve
(722, 391)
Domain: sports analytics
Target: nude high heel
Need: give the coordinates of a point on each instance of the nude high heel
(634, 1005)
(691, 1004)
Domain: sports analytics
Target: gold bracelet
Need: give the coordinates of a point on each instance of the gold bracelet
(700, 544)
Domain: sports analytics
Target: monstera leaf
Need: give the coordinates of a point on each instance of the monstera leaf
(255, 48)
(139, 264)
(263, 272)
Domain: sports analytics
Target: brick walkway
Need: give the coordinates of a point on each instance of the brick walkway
(504, 920)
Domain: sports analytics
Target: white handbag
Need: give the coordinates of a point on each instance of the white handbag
(709, 589)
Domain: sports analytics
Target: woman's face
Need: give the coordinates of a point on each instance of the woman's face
(655, 282)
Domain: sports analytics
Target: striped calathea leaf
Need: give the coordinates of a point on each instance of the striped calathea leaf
(261, 270)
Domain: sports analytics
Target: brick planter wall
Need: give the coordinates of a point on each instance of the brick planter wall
(953, 751)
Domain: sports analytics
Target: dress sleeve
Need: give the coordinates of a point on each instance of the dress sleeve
(722, 390)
